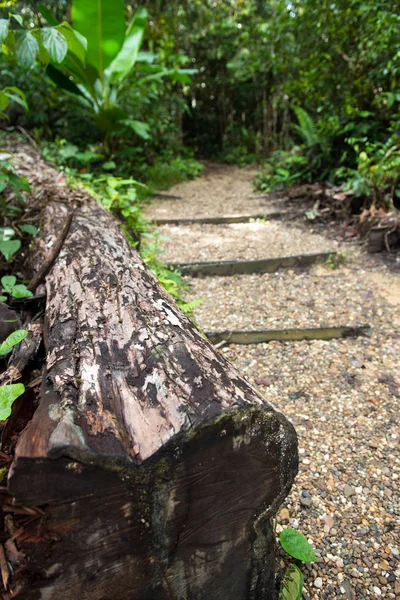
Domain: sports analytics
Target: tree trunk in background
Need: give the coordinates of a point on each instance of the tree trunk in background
(266, 123)
(151, 466)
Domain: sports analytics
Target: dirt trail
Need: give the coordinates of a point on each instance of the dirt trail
(342, 395)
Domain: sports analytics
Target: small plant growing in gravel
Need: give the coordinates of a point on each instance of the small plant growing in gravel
(296, 545)
(335, 260)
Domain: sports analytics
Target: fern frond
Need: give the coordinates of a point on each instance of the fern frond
(188, 307)
(306, 128)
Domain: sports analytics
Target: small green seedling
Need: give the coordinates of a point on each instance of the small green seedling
(335, 260)
(29, 229)
(292, 584)
(8, 246)
(295, 544)
(10, 287)
(9, 393)
(13, 339)
(311, 215)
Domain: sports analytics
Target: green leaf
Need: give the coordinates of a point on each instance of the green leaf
(47, 14)
(87, 156)
(55, 44)
(17, 18)
(62, 81)
(283, 172)
(292, 584)
(68, 151)
(311, 214)
(17, 95)
(9, 393)
(295, 544)
(127, 56)
(6, 233)
(182, 75)
(109, 165)
(13, 339)
(21, 291)
(4, 27)
(147, 57)
(366, 113)
(27, 48)
(31, 229)
(102, 23)
(4, 100)
(77, 43)
(9, 248)
(3, 298)
(8, 282)
(19, 182)
(141, 129)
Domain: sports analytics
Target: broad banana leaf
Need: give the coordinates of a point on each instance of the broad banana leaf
(101, 22)
(62, 81)
(127, 56)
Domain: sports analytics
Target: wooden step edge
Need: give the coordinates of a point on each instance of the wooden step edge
(247, 267)
(166, 196)
(221, 220)
(287, 335)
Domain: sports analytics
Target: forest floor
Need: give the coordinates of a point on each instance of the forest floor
(342, 395)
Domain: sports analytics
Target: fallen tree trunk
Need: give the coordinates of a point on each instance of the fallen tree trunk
(151, 468)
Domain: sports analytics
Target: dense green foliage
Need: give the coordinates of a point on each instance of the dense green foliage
(313, 85)
(309, 89)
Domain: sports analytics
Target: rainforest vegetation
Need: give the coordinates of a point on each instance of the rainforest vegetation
(127, 99)
(308, 90)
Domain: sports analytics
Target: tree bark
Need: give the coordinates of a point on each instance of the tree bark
(151, 467)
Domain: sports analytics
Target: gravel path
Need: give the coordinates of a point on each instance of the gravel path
(222, 190)
(320, 297)
(342, 395)
(244, 241)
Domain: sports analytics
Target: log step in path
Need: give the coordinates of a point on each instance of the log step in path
(223, 220)
(246, 267)
(228, 268)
